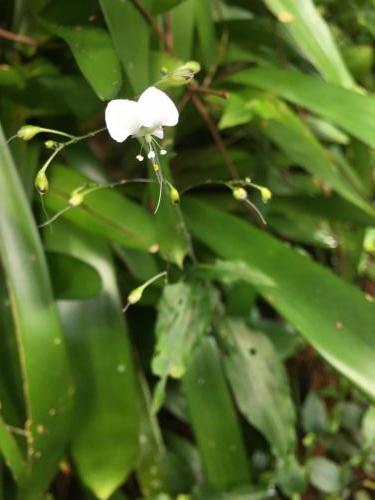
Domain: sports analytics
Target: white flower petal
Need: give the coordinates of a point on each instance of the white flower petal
(122, 119)
(158, 132)
(156, 109)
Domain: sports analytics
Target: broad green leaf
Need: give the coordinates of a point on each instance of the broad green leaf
(313, 37)
(44, 369)
(259, 384)
(349, 110)
(206, 31)
(95, 56)
(104, 212)
(130, 35)
(185, 312)
(214, 420)
(333, 316)
(106, 411)
(71, 277)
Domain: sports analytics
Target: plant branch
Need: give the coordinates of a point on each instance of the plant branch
(150, 19)
(17, 38)
(203, 111)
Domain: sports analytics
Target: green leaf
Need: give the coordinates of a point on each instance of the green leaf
(161, 6)
(131, 37)
(259, 384)
(313, 37)
(44, 369)
(104, 212)
(368, 426)
(287, 130)
(231, 271)
(349, 110)
(333, 316)
(214, 420)
(324, 474)
(71, 277)
(206, 30)
(314, 415)
(185, 313)
(106, 412)
(183, 17)
(95, 56)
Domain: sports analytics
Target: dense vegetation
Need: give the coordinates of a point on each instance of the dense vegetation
(243, 366)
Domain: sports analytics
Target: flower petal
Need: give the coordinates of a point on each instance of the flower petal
(158, 132)
(156, 109)
(122, 119)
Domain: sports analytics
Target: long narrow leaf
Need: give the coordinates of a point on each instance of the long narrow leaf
(46, 379)
(313, 37)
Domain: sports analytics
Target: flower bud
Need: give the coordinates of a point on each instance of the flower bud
(28, 132)
(41, 182)
(76, 198)
(50, 144)
(265, 193)
(135, 295)
(239, 193)
(174, 195)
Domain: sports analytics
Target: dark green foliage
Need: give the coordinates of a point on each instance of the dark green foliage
(243, 367)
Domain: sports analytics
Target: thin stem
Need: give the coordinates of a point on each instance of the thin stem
(151, 21)
(17, 38)
(56, 132)
(203, 111)
(73, 140)
(193, 87)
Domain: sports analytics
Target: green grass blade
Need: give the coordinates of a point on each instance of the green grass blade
(214, 420)
(46, 379)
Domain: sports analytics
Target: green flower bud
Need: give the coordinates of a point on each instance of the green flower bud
(28, 132)
(41, 182)
(135, 295)
(76, 198)
(239, 193)
(51, 144)
(174, 195)
(265, 193)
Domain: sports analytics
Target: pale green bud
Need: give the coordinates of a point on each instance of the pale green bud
(28, 132)
(174, 195)
(239, 193)
(265, 193)
(75, 199)
(41, 182)
(50, 144)
(135, 295)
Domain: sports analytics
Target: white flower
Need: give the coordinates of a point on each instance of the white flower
(143, 118)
